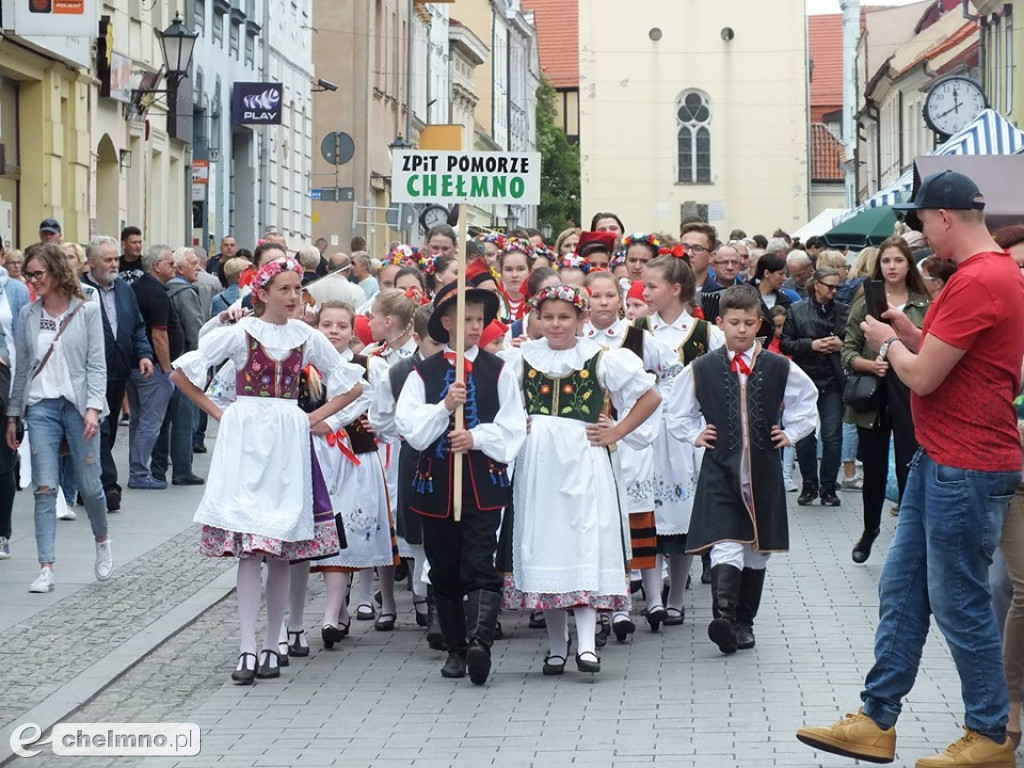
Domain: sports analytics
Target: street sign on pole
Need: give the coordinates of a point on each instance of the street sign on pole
(428, 176)
(424, 176)
(333, 194)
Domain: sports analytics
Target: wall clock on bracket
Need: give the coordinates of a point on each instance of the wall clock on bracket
(952, 103)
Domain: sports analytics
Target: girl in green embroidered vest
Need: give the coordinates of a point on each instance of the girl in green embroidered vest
(570, 521)
(636, 454)
(669, 290)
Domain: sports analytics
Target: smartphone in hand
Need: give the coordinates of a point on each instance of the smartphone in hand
(874, 296)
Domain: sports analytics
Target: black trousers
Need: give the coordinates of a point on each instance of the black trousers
(873, 449)
(461, 555)
(108, 433)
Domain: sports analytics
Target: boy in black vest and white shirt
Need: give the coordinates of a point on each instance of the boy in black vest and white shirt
(461, 554)
(731, 401)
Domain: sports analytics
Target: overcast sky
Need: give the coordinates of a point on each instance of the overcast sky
(832, 6)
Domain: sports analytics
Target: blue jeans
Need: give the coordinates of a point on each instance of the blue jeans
(174, 444)
(949, 525)
(48, 422)
(148, 400)
(830, 414)
(850, 442)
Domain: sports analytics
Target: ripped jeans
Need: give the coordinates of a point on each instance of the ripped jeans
(48, 422)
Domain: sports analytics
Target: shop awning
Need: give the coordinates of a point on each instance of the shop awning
(988, 134)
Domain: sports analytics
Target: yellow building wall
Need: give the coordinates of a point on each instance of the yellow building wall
(53, 131)
(476, 15)
(757, 85)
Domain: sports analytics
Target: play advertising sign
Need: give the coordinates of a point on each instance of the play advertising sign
(256, 103)
(424, 176)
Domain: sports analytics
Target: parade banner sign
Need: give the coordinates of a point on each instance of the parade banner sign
(424, 176)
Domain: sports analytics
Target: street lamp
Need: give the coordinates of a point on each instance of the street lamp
(546, 230)
(510, 221)
(400, 143)
(176, 47)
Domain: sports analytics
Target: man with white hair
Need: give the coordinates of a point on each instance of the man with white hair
(174, 444)
(336, 286)
(800, 268)
(127, 348)
(362, 274)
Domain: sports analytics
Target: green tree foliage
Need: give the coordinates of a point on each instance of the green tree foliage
(560, 171)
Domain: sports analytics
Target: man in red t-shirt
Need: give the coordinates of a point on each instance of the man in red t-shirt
(964, 370)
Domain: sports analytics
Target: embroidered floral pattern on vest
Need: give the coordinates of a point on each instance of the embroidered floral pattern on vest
(576, 396)
(263, 376)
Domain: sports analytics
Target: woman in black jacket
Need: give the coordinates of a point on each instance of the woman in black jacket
(769, 275)
(813, 337)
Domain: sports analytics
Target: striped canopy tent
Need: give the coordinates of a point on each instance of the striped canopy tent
(988, 134)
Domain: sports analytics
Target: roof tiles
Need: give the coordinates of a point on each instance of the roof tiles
(558, 37)
(826, 153)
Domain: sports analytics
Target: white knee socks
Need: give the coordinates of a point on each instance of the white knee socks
(277, 600)
(336, 583)
(297, 587)
(386, 575)
(678, 569)
(586, 626)
(651, 578)
(247, 587)
(558, 636)
(419, 587)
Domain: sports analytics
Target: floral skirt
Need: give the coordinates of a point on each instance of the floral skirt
(514, 599)
(216, 542)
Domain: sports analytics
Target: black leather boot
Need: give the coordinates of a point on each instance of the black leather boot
(452, 618)
(705, 565)
(751, 586)
(481, 619)
(828, 495)
(435, 637)
(722, 630)
(808, 494)
(862, 549)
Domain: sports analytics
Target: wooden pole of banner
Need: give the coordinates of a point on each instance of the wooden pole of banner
(460, 355)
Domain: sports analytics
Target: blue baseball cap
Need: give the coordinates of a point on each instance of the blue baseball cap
(946, 189)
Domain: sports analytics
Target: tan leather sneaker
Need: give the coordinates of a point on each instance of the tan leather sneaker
(856, 736)
(972, 751)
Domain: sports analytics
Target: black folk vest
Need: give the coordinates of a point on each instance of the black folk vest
(720, 513)
(431, 492)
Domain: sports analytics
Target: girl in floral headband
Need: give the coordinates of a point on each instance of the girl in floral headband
(567, 549)
(515, 263)
(278, 508)
(637, 249)
(492, 244)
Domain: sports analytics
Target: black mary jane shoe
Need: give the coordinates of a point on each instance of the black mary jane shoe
(602, 632)
(385, 622)
(422, 618)
(675, 617)
(331, 634)
(245, 676)
(553, 665)
(537, 620)
(295, 647)
(266, 671)
(586, 665)
(623, 629)
(282, 653)
(656, 618)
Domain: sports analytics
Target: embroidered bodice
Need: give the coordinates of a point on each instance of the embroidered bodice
(263, 376)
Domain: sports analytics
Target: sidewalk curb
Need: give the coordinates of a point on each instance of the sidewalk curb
(87, 685)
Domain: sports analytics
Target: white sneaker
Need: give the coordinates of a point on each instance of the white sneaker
(790, 484)
(104, 560)
(5, 548)
(854, 483)
(44, 582)
(66, 513)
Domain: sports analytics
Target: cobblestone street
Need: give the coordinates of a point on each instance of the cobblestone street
(157, 643)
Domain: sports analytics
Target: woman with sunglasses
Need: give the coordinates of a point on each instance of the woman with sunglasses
(60, 387)
(813, 336)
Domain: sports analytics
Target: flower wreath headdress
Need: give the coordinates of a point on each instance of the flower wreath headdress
(575, 260)
(516, 244)
(272, 269)
(578, 297)
(427, 263)
(496, 238)
(403, 255)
